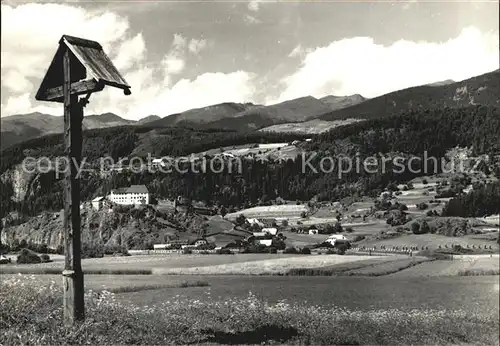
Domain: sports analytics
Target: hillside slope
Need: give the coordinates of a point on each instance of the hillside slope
(203, 115)
(339, 102)
(479, 90)
(297, 110)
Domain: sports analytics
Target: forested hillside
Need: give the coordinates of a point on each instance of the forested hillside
(479, 90)
(405, 135)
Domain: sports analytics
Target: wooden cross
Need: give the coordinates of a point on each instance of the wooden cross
(76, 59)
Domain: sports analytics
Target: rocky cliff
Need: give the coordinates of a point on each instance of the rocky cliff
(120, 226)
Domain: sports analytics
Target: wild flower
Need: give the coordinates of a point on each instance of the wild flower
(31, 313)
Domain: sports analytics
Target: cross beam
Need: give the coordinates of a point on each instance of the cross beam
(76, 88)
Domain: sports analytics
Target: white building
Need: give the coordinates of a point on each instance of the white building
(97, 203)
(334, 237)
(266, 242)
(313, 231)
(270, 230)
(135, 194)
(255, 222)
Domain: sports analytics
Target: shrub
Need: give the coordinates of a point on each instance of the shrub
(273, 250)
(341, 248)
(359, 238)
(420, 228)
(425, 182)
(45, 258)
(349, 230)
(415, 228)
(305, 251)
(92, 250)
(224, 251)
(279, 244)
(422, 206)
(4, 248)
(28, 257)
(449, 193)
(256, 248)
(290, 250)
(187, 251)
(424, 228)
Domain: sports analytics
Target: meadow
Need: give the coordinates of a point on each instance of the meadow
(139, 264)
(273, 211)
(32, 314)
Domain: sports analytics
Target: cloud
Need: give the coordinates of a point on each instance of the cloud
(299, 51)
(359, 65)
(254, 5)
(251, 19)
(179, 43)
(16, 81)
(204, 90)
(173, 65)
(30, 34)
(196, 46)
(407, 4)
(130, 53)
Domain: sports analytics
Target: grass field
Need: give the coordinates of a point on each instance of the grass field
(274, 211)
(32, 314)
(264, 267)
(121, 283)
(133, 264)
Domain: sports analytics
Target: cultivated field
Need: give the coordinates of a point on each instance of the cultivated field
(460, 265)
(432, 241)
(312, 126)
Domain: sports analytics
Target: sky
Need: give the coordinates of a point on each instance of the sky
(186, 54)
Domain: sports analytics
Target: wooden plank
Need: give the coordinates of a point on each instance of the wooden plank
(77, 88)
(74, 309)
(80, 42)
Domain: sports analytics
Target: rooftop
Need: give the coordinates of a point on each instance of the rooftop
(137, 189)
(131, 189)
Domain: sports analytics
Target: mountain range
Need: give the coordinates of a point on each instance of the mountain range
(305, 114)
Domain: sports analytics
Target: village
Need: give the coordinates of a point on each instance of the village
(261, 233)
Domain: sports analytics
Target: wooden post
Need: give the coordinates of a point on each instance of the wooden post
(74, 308)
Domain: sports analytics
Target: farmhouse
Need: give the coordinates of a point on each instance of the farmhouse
(260, 234)
(169, 245)
(334, 238)
(160, 246)
(161, 162)
(270, 230)
(199, 242)
(266, 242)
(255, 222)
(97, 203)
(135, 194)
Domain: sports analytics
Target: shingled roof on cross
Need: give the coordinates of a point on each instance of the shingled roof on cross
(90, 70)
